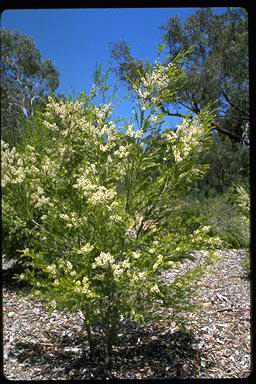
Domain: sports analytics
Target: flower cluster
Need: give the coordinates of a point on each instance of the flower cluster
(66, 266)
(102, 112)
(68, 119)
(123, 151)
(12, 165)
(102, 195)
(82, 287)
(85, 185)
(85, 249)
(201, 236)
(39, 198)
(50, 167)
(188, 137)
(155, 85)
(155, 289)
(62, 109)
(72, 220)
(103, 260)
(159, 77)
(52, 269)
(121, 269)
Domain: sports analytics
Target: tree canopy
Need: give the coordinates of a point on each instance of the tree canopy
(25, 80)
(217, 67)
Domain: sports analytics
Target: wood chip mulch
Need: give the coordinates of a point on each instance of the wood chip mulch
(216, 344)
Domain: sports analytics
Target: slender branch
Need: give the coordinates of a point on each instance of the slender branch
(89, 333)
(186, 106)
(233, 105)
(216, 126)
(230, 134)
(38, 224)
(167, 112)
(140, 226)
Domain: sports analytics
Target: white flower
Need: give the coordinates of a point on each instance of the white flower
(141, 275)
(139, 133)
(122, 151)
(117, 271)
(30, 148)
(205, 229)
(125, 264)
(103, 260)
(85, 249)
(155, 289)
(20, 162)
(116, 218)
(64, 216)
(102, 196)
(130, 131)
(85, 185)
(52, 269)
(103, 148)
(69, 265)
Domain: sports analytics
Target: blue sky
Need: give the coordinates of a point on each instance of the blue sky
(76, 39)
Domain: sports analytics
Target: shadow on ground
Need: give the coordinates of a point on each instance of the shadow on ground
(8, 277)
(139, 353)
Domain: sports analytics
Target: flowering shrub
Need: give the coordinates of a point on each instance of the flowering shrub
(95, 203)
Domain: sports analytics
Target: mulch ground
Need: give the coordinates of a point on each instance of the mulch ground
(216, 343)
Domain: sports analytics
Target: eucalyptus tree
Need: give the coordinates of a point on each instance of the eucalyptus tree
(26, 80)
(216, 66)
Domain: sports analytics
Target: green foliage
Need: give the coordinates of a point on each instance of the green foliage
(213, 70)
(26, 80)
(128, 66)
(95, 207)
(228, 215)
(217, 67)
(228, 164)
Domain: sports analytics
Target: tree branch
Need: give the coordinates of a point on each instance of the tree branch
(167, 112)
(233, 105)
(231, 135)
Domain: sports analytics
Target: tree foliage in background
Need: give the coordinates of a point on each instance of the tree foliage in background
(217, 66)
(98, 206)
(216, 71)
(26, 80)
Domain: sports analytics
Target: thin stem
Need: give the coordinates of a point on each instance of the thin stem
(112, 331)
(89, 333)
